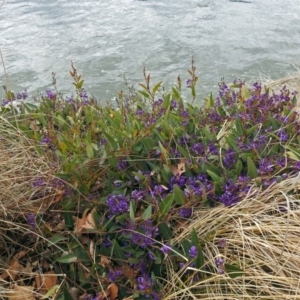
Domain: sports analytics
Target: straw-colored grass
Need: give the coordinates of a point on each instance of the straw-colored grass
(262, 237)
(20, 167)
(292, 82)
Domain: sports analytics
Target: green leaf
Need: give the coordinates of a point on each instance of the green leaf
(145, 94)
(178, 195)
(131, 210)
(193, 90)
(210, 102)
(147, 213)
(163, 150)
(186, 246)
(113, 144)
(55, 239)
(245, 93)
(233, 271)
(51, 292)
(148, 144)
(165, 205)
(176, 94)
(118, 252)
(238, 125)
(213, 175)
(81, 254)
(66, 259)
(89, 150)
(252, 171)
(156, 87)
(69, 222)
(165, 231)
(199, 262)
(67, 295)
(293, 153)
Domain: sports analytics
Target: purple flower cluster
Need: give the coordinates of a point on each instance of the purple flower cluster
(22, 95)
(193, 252)
(50, 94)
(114, 275)
(117, 204)
(234, 191)
(220, 265)
(122, 164)
(230, 158)
(142, 235)
(31, 220)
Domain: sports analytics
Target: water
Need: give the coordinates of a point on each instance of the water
(108, 39)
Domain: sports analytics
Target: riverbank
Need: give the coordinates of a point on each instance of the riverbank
(151, 198)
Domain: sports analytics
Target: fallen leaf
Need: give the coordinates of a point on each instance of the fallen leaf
(110, 293)
(89, 221)
(20, 293)
(179, 169)
(14, 267)
(58, 197)
(44, 282)
(113, 291)
(104, 261)
(80, 221)
(127, 271)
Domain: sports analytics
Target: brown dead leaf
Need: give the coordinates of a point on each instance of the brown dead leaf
(111, 293)
(86, 222)
(58, 197)
(89, 222)
(127, 271)
(179, 169)
(79, 222)
(14, 267)
(104, 261)
(44, 282)
(20, 293)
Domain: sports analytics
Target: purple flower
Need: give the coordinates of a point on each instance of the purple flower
(103, 142)
(137, 195)
(166, 249)
(265, 167)
(230, 158)
(144, 283)
(189, 83)
(198, 149)
(222, 243)
(113, 275)
(283, 135)
(152, 256)
(50, 94)
(83, 95)
(38, 182)
(173, 103)
(213, 149)
(122, 164)
(31, 220)
(185, 213)
(106, 242)
(5, 102)
(23, 95)
(193, 252)
(117, 204)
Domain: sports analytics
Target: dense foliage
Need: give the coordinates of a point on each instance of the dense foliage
(134, 172)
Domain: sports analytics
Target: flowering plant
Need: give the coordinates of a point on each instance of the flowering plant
(136, 171)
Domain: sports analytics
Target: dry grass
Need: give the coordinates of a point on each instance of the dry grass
(262, 237)
(292, 82)
(20, 167)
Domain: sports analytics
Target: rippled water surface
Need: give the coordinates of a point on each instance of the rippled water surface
(108, 39)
